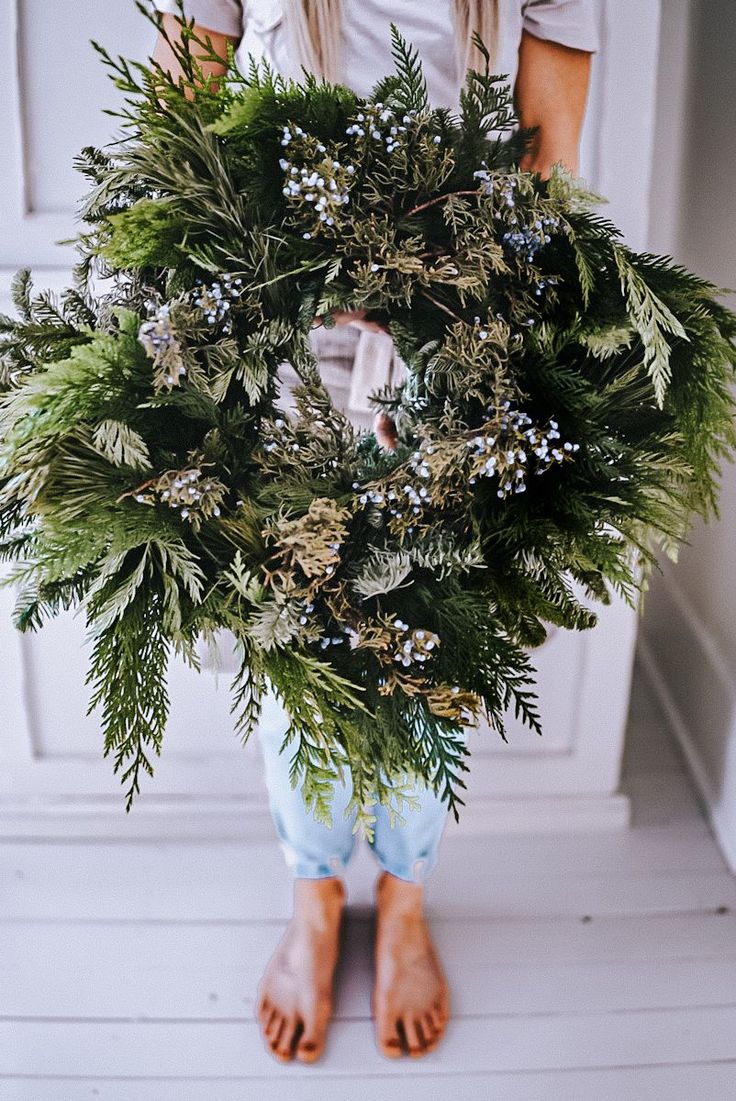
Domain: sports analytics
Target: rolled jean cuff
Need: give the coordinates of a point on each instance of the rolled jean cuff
(304, 868)
(415, 871)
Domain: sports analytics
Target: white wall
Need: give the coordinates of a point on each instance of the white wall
(689, 627)
(52, 94)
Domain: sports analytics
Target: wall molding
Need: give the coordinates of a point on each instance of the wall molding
(624, 108)
(707, 664)
(249, 818)
(26, 237)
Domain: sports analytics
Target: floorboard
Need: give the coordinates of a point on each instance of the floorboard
(195, 1049)
(714, 1081)
(627, 874)
(581, 966)
(203, 972)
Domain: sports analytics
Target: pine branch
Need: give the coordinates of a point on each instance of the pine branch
(410, 91)
(248, 687)
(128, 680)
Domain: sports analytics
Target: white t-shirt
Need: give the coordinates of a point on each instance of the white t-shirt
(366, 41)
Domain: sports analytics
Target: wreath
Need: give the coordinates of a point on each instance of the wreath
(564, 413)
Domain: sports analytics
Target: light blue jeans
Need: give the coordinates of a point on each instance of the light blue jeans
(312, 850)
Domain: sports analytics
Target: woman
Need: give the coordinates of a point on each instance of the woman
(544, 46)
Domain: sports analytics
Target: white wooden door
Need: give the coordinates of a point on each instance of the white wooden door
(52, 90)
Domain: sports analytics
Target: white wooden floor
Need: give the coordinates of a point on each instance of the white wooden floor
(581, 966)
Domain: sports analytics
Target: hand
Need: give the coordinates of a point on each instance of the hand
(385, 430)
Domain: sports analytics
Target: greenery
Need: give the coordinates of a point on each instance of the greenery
(566, 409)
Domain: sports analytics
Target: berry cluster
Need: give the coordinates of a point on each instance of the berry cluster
(507, 455)
(378, 123)
(319, 186)
(195, 494)
(414, 646)
(527, 240)
(215, 300)
(161, 343)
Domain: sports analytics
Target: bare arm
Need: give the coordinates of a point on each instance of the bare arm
(167, 59)
(550, 93)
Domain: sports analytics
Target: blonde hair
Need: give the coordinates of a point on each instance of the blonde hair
(315, 27)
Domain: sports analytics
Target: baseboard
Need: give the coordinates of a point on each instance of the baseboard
(544, 814)
(249, 820)
(720, 817)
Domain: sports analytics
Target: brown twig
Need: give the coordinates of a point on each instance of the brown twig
(437, 199)
(138, 489)
(441, 306)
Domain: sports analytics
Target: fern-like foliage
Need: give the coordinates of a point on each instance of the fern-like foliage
(128, 681)
(410, 89)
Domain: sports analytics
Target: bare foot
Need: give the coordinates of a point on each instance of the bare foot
(411, 998)
(294, 1002)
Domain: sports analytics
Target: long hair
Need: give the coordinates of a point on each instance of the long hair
(315, 27)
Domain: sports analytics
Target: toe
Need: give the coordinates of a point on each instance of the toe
(432, 1033)
(389, 1040)
(438, 1020)
(275, 1029)
(414, 1036)
(273, 1020)
(284, 1046)
(311, 1040)
(308, 1050)
(310, 1046)
(265, 1013)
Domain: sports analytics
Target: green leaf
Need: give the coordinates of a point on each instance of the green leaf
(652, 319)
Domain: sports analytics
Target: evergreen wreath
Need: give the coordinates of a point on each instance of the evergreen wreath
(565, 412)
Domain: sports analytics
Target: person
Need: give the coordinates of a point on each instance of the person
(545, 47)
